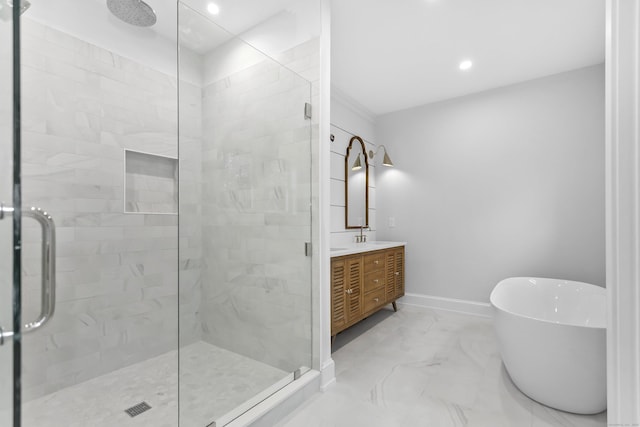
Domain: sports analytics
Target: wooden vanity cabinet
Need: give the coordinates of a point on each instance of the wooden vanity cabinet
(363, 283)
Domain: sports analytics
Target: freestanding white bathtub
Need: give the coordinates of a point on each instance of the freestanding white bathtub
(551, 335)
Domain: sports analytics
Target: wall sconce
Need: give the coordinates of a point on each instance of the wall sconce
(357, 165)
(386, 160)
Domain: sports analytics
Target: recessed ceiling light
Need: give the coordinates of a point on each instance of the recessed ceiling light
(465, 65)
(213, 8)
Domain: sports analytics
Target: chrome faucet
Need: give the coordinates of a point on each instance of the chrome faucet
(362, 238)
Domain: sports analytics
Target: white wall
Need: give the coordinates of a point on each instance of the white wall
(349, 119)
(503, 183)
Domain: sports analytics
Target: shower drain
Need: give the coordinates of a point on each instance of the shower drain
(138, 409)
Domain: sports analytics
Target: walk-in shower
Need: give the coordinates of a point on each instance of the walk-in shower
(175, 160)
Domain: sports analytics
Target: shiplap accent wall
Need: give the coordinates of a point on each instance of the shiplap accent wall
(349, 119)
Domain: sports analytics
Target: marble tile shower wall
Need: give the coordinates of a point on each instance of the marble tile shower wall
(117, 273)
(190, 210)
(304, 59)
(256, 211)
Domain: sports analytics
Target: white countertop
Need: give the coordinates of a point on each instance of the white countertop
(356, 248)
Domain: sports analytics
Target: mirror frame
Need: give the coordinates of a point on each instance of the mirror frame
(346, 185)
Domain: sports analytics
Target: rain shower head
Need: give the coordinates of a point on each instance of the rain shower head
(134, 12)
(7, 5)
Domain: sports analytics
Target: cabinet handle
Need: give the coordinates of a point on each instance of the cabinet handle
(376, 299)
(397, 273)
(376, 262)
(376, 281)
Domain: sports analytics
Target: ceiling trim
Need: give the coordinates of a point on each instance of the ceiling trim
(341, 97)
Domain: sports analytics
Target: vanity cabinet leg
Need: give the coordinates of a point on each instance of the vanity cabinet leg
(333, 338)
(395, 307)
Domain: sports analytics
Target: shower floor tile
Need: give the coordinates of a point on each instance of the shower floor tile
(213, 383)
(421, 367)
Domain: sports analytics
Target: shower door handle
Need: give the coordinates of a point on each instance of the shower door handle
(48, 289)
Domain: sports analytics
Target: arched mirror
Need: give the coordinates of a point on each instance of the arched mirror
(356, 173)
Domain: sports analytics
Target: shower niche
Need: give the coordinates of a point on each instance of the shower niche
(151, 183)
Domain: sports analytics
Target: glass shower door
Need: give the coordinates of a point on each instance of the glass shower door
(7, 380)
(99, 152)
(245, 221)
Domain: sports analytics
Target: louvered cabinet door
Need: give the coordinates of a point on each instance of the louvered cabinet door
(399, 272)
(390, 275)
(354, 288)
(338, 296)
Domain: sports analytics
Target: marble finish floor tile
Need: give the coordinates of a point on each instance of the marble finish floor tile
(213, 383)
(421, 367)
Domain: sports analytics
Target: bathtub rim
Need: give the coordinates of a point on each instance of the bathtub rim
(537, 319)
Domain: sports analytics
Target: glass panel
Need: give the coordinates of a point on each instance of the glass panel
(245, 197)
(6, 225)
(93, 88)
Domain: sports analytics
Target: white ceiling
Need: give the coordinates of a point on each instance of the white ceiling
(269, 25)
(92, 21)
(236, 17)
(386, 56)
(392, 55)
(272, 26)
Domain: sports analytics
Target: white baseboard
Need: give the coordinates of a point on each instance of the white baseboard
(328, 374)
(440, 303)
